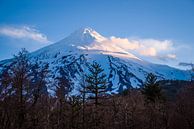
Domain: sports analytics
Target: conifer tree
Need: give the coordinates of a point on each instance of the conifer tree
(151, 89)
(96, 82)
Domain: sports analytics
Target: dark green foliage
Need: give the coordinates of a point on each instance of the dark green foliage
(151, 89)
(96, 82)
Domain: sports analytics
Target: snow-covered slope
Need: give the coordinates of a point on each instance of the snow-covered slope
(82, 47)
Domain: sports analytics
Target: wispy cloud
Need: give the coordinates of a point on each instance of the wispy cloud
(24, 32)
(160, 49)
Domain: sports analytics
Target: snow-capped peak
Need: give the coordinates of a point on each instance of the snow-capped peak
(87, 39)
(123, 69)
(90, 32)
(85, 36)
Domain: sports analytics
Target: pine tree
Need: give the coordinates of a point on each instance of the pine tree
(96, 82)
(152, 90)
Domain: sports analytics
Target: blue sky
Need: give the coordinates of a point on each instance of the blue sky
(42, 22)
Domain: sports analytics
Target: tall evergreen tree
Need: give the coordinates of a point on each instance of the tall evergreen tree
(96, 82)
(151, 89)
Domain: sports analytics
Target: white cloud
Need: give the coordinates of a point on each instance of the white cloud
(153, 47)
(160, 49)
(24, 32)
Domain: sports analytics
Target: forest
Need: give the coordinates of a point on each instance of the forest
(25, 102)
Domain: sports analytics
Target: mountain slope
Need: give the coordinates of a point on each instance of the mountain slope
(123, 69)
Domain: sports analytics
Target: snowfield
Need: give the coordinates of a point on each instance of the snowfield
(123, 69)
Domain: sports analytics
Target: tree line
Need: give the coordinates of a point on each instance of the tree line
(26, 104)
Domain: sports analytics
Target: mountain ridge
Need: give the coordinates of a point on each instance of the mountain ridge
(123, 70)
